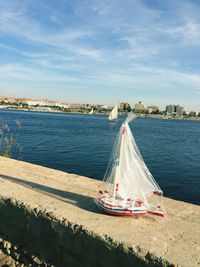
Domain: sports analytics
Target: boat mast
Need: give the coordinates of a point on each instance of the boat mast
(118, 162)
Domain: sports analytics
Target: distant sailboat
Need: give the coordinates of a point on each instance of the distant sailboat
(91, 111)
(113, 114)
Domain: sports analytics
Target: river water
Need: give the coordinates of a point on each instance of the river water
(82, 144)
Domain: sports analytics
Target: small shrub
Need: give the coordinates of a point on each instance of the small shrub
(8, 140)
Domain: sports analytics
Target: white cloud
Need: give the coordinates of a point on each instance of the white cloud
(22, 72)
(29, 30)
(171, 75)
(187, 34)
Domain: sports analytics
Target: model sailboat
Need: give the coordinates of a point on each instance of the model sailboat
(113, 114)
(129, 189)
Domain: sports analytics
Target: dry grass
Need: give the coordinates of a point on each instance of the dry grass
(9, 140)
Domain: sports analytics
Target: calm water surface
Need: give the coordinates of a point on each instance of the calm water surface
(82, 144)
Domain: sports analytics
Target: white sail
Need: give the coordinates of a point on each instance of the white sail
(134, 179)
(91, 111)
(114, 114)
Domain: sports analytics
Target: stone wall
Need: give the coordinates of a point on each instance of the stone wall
(17, 256)
(50, 218)
(59, 242)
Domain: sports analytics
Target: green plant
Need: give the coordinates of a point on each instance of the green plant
(9, 140)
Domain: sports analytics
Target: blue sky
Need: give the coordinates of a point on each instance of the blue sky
(100, 51)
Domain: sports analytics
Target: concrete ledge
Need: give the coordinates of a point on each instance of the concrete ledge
(53, 216)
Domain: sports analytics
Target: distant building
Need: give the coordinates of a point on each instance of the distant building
(45, 103)
(103, 107)
(153, 109)
(193, 114)
(36, 102)
(8, 99)
(170, 109)
(174, 110)
(124, 106)
(61, 105)
(179, 110)
(139, 107)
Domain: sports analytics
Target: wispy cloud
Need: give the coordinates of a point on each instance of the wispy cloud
(187, 34)
(19, 25)
(21, 72)
(170, 75)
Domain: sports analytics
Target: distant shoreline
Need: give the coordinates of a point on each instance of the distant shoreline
(167, 117)
(147, 116)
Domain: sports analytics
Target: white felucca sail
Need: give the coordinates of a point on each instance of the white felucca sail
(113, 114)
(91, 111)
(129, 188)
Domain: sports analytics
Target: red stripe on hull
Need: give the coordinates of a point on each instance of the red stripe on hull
(155, 213)
(122, 213)
(106, 203)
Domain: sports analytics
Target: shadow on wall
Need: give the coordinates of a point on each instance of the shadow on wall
(83, 202)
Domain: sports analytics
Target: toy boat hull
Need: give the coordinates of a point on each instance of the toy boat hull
(119, 210)
(106, 205)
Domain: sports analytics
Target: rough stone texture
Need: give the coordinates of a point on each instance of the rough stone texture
(16, 256)
(52, 215)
